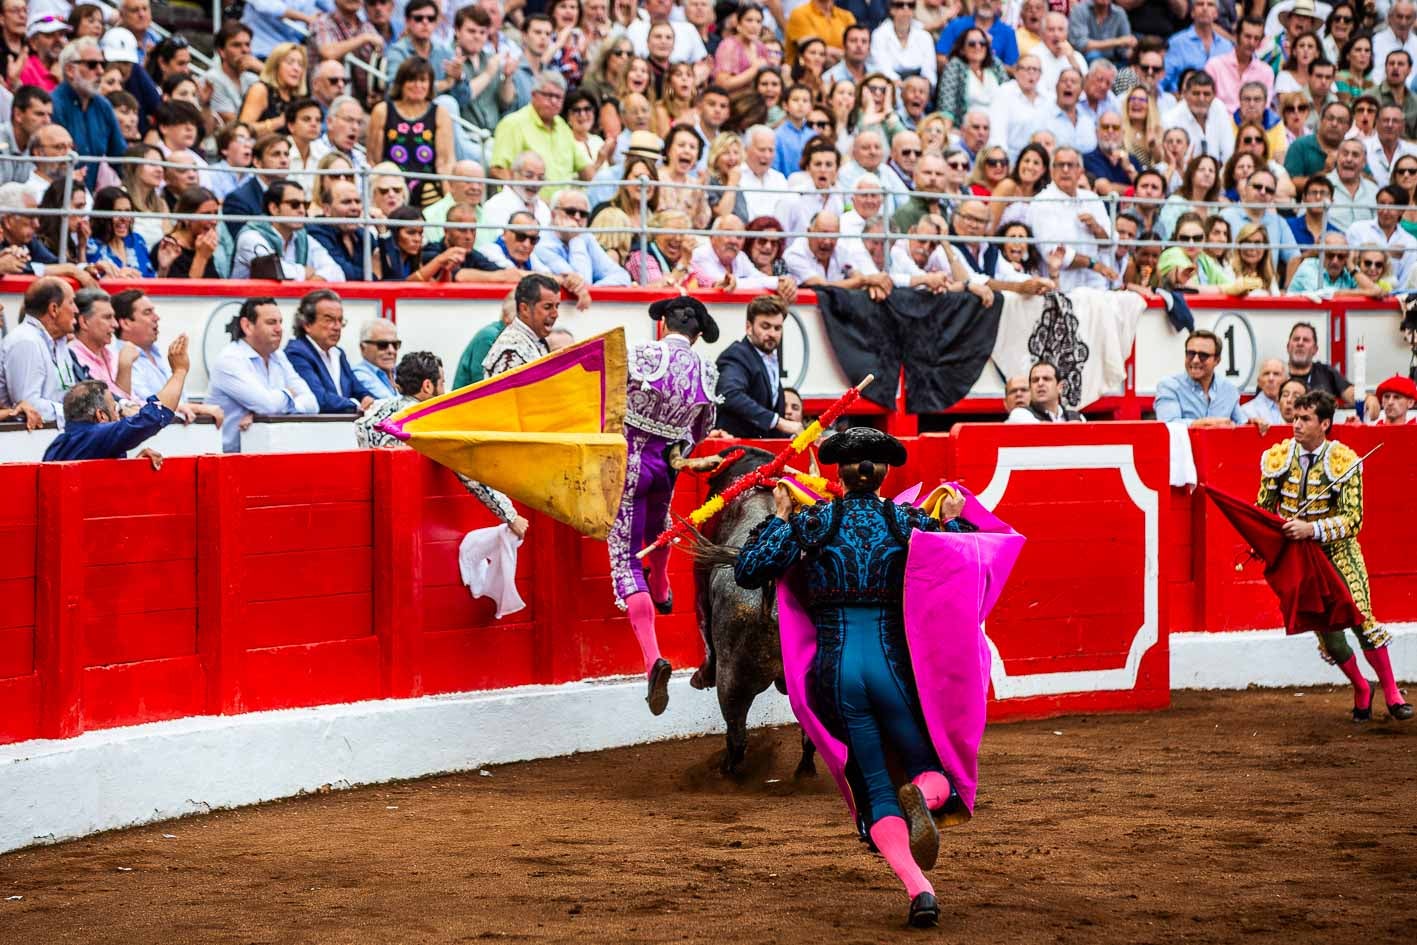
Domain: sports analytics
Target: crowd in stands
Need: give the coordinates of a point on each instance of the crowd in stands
(1067, 130)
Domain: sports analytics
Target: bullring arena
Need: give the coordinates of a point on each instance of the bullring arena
(252, 702)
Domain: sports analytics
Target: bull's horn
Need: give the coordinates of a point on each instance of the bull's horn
(697, 464)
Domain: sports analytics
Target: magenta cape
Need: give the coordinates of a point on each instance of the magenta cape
(951, 582)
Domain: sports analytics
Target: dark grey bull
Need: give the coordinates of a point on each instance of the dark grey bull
(739, 626)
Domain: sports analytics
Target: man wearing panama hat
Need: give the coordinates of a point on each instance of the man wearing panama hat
(1294, 18)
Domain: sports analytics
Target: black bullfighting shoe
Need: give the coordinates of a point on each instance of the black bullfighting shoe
(1366, 714)
(658, 697)
(1400, 712)
(924, 835)
(924, 911)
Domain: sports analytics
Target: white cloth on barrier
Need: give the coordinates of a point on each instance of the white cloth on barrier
(1106, 323)
(1183, 460)
(487, 559)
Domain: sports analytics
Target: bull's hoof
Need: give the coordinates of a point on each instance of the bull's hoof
(781, 685)
(924, 835)
(658, 697)
(806, 768)
(704, 677)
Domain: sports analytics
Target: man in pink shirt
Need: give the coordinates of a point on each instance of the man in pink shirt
(47, 33)
(1233, 69)
(93, 333)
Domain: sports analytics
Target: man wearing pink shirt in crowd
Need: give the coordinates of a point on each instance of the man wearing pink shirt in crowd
(1232, 69)
(723, 255)
(93, 333)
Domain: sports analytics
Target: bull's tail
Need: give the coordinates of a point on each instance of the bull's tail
(712, 555)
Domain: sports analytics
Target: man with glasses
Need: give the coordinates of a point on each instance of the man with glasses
(1386, 232)
(285, 237)
(1258, 191)
(315, 354)
(985, 17)
(80, 108)
(1209, 124)
(1354, 195)
(1197, 396)
(51, 141)
(514, 250)
(1018, 106)
(1326, 275)
(1309, 227)
(563, 251)
(232, 73)
(1231, 70)
(419, 18)
(1111, 168)
(901, 47)
(1394, 91)
(983, 262)
(1064, 215)
(327, 83)
(539, 127)
(1070, 126)
(1388, 146)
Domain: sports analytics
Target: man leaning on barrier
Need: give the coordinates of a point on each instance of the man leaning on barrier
(94, 429)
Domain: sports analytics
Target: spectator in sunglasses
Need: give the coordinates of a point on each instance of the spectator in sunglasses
(379, 346)
(420, 17)
(1331, 272)
(1259, 188)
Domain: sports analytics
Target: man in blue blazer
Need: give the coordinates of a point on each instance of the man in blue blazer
(749, 376)
(315, 354)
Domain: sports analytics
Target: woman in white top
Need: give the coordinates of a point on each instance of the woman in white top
(1254, 260)
(1307, 50)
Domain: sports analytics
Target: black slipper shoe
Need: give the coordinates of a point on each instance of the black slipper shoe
(1366, 715)
(658, 697)
(924, 911)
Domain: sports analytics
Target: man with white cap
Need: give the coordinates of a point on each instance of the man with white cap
(48, 32)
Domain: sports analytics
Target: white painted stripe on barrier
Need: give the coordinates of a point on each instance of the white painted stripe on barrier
(60, 789)
(1273, 658)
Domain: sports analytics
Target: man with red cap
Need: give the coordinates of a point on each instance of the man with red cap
(1397, 394)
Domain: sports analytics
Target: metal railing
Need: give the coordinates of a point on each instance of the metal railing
(643, 233)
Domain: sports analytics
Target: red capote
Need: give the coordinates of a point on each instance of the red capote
(1312, 594)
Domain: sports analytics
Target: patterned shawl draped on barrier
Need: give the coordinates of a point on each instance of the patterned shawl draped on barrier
(549, 434)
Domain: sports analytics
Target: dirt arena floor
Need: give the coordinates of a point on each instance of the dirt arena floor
(1258, 817)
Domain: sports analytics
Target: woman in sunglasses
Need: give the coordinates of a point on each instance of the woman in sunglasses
(1404, 177)
(1141, 126)
(1374, 262)
(765, 252)
(1339, 30)
(971, 78)
(1190, 235)
(991, 168)
(1253, 139)
(606, 76)
(875, 107)
(1294, 111)
(1355, 68)
(580, 111)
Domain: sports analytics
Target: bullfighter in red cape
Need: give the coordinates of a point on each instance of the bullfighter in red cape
(880, 608)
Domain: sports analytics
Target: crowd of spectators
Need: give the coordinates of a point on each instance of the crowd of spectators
(1078, 127)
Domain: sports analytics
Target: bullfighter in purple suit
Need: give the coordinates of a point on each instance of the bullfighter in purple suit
(671, 403)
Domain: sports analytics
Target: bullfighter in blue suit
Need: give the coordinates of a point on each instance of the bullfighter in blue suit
(315, 354)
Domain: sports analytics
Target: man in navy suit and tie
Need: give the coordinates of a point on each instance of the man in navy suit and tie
(749, 377)
(315, 354)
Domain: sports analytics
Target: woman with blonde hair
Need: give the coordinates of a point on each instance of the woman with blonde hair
(1141, 126)
(934, 133)
(1252, 260)
(667, 261)
(991, 168)
(616, 244)
(282, 82)
(725, 166)
(334, 161)
(677, 102)
(142, 182)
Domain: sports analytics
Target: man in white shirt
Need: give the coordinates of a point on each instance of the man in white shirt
(688, 45)
(796, 210)
(285, 237)
(1063, 215)
(520, 195)
(760, 184)
(1398, 33)
(1201, 115)
(1264, 406)
(1054, 54)
(868, 153)
(36, 367)
(1388, 144)
(901, 47)
(1070, 125)
(1387, 233)
(1014, 115)
(723, 256)
(252, 375)
(814, 260)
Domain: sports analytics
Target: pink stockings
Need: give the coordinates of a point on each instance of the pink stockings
(641, 610)
(935, 786)
(1378, 659)
(1355, 676)
(892, 838)
(657, 563)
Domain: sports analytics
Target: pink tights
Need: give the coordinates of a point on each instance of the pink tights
(892, 838)
(641, 610)
(935, 786)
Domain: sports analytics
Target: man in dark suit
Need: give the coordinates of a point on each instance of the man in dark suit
(270, 157)
(315, 354)
(749, 377)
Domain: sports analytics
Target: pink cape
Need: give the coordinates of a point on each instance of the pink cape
(951, 582)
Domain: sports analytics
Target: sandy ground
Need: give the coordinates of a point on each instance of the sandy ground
(1263, 816)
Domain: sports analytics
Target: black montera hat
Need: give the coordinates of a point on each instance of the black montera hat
(686, 309)
(859, 444)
